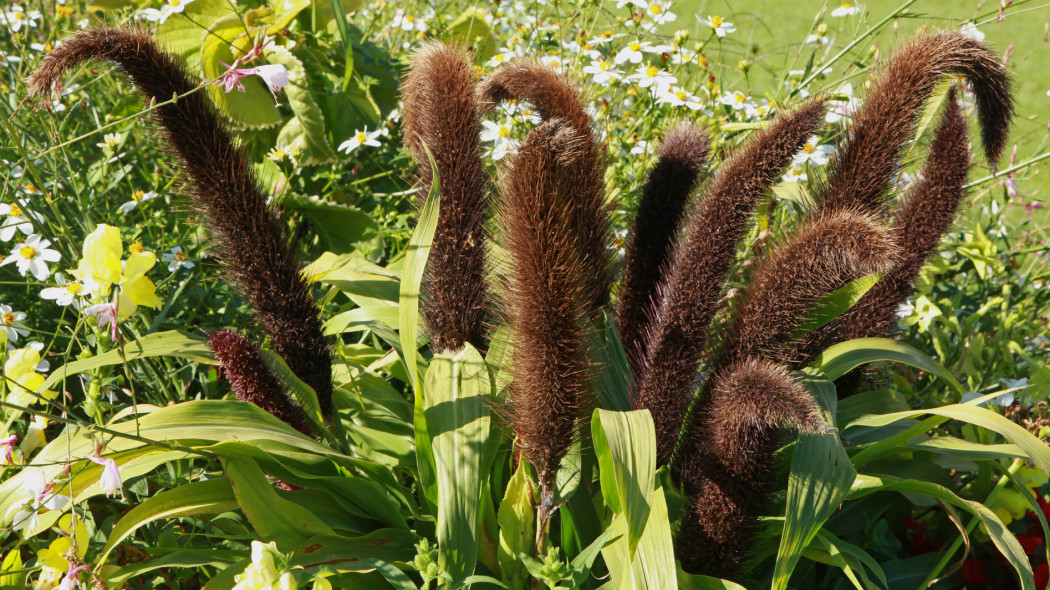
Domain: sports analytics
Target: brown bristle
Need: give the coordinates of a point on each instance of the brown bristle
(824, 254)
(919, 224)
(440, 113)
(253, 381)
(699, 267)
(555, 97)
(545, 302)
(882, 128)
(248, 237)
(732, 451)
(672, 180)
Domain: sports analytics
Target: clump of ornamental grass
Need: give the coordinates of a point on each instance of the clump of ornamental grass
(713, 364)
(249, 236)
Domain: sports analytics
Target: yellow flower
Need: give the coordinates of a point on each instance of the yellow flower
(20, 368)
(101, 261)
(135, 288)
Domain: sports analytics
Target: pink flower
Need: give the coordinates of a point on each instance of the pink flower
(107, 314)
(7, 447)
(110, 482)
(275, 76)
(72, 577)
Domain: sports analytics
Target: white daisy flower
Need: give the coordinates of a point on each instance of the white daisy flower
(814, 153)
(136, 198)
(634, 52)
(603, 72)
(818, 40)
(737, 100)
(500, 136)
(679, 97)
(658, 11)
(360, 138)
(17, 18)
(847, 9)
(639, 3)
(796, 174)
(408, 22)
(11, 323)
(110, 141)
(970, 30)
(33, 256)
(17, 218)
(499, 59)
(652, 76)
(177, 259)
(66, 293)
(719, 24)
(169, 8)
(640, 147)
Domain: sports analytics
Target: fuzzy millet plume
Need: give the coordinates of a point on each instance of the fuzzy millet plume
(918, 226)
(545, 301)
(881, 129)
(699, 267)
(733, 451)
(555, 97)
(672, 180)
(441, 113)
(253, 381)
(824, 254)
(248, 235)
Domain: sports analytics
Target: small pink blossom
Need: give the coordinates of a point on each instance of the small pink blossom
(275, 76)
(110, 482)
(72, 577)
(7, 447)
(107, 314)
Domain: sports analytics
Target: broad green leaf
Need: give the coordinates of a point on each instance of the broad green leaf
(1003, 539)
(516, 519)
(929, 113)
(174, 343)
(691, 582)
(309, 139)
(212, 496)
(455, 407)
(625, 444)
(821, 476)
(16, 579)
(580, 567)
(183, 33)
(216, 558)
(1034, 449)
(836, 303)
(344, 37)
(472, 28)
(653, 565)
(796, 193)
(357, 553)
(282, 13)
(842, 358)
(273, 517)
(255, 107)
(854, 561)
(342, 228)
(614, 380)
(417, 252)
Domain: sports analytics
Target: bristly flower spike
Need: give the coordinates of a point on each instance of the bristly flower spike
(248, 235)
(441, 114)
(665, 196)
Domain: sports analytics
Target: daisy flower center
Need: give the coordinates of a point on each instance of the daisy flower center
(635, 46)
(656, 9)
(410, 18)
(27, 252)
(14, 212)
(740, 97)
(361, 136)
(809, 148)
(652, 71)
(604, 65)
(504, 131)
(8, 318)
(681, 95)
(847, 5)
(716, 21)
(180, 256)
(75, 288)
(138, 195)
(175, 3)
(20, 15)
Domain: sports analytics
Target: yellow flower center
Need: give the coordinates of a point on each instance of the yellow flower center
(651, 71)
(14, 212)
(361, 136)
(716, 21)
(681, 95)
(656, 9)
(500, 57)
(607, 33)
(604, 65)
(740, 97)
(809, 148)
(27, 252)
(111, 141)
(63, 11)
(31, 188)
(20, 15)
(48, 47)
(587, 46)
(504, 131)
(180, 256)
(175, 3)
(75, 288)
(136, 248)
(137, 195)
(9, 318)
(634, 46)
(410, 18)
(847, 5)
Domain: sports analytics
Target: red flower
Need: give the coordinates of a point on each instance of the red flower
(973, 572)
(1030, 542)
